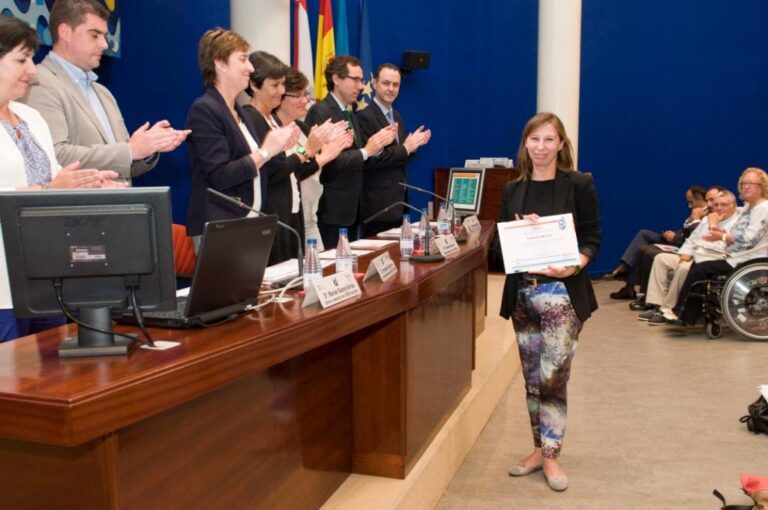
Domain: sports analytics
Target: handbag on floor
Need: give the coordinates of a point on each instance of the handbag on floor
(757, 419)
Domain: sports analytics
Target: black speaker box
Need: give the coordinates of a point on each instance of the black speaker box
(413, 59)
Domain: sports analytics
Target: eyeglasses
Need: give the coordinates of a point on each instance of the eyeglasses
(744, 183)
(356, 79)
(305, 95)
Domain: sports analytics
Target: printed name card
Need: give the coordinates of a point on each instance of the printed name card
(447, 245)
(472, 224)
(382, 266)
(332, 289)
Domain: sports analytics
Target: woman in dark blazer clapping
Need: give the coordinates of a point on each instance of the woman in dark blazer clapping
(549, 307)
(225, 153)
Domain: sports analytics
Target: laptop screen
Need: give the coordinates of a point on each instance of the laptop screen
(230, 264)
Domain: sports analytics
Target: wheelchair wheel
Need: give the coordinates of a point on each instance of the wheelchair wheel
(714, 330)
(744, 300)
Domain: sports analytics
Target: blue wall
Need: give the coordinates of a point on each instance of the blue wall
(480, 87)
(672, 93)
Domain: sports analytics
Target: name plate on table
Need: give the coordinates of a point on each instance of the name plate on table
(472, 224)
(447, 245)
(529, 245)
(381, 267)
(332, 290)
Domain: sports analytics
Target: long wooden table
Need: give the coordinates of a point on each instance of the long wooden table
(271, 411)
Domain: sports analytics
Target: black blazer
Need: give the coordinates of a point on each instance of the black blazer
(383, 172)
(219, 158)
(341, 178)
(574, 193)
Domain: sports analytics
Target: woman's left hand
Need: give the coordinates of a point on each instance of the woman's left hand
(556, 271)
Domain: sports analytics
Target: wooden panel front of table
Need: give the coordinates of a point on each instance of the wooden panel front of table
(271, 411)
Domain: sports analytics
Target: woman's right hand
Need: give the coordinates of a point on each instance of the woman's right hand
(72, 176)
(333, 148)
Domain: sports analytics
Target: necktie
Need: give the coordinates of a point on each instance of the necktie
(391, 120)
(348, 116)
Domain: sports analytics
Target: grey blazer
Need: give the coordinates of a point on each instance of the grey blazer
(77, 133)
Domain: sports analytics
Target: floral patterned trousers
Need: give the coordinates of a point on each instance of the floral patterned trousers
(547, 332)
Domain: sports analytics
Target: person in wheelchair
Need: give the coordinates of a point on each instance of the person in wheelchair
(747, 240)
(669, 270)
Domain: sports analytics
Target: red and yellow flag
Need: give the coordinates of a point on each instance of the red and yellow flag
(325, 47)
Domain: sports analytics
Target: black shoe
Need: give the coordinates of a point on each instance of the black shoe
(639, 305)
(616, 274)
(657, 319)
(626, 292)
(646, 315)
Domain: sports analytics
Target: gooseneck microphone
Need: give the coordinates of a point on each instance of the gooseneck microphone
(416, 188)
(427, 233)
(241, 205)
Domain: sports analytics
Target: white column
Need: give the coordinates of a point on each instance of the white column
(265, 24)
(560, 63)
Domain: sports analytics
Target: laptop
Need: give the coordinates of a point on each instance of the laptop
(230, 267)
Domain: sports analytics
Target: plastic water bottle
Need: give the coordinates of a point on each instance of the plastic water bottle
(422, 236)
(450, 215)
(406, 239)
(442, 220)
(343, 252)
(313, 270)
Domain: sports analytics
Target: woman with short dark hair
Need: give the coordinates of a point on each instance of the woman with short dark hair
(225, 151)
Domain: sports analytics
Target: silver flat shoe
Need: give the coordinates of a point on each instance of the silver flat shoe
(521, 470)
(557, 483)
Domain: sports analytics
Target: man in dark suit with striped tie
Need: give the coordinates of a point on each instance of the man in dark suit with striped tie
(386, 170)
(342, 178)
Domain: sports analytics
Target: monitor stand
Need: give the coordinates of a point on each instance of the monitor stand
(94, 343)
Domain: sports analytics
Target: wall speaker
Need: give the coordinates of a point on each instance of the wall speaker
(414, 59)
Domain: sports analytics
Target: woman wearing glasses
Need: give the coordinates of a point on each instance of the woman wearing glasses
(308, 160)
(746, 240)
(267, 89)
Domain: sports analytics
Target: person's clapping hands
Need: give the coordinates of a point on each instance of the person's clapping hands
(333, 147)
(160, 137)
(281, 139)
(72, 176)
(416, 139)
(381, 139)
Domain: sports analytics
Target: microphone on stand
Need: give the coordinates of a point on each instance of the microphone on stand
(241, 205)
(416, 188)
(427, 233)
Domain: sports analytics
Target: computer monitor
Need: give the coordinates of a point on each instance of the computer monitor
(83, 251)
(465, 189)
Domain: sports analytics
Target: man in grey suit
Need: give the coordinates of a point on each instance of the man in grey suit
(83, 116)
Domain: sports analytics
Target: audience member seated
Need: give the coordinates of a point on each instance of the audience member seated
(27, 156)
(225, 153)
(747, 240)
(648, 253)
(670, 270)
(316, 147)
(627, 268)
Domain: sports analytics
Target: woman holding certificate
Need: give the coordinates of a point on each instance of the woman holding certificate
(549, 306)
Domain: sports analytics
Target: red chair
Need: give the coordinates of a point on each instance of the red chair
(184, 257)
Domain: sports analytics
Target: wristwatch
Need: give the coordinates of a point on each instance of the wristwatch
(264, 153)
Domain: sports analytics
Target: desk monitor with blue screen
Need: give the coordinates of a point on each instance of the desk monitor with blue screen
(465, 189)
(91, 254)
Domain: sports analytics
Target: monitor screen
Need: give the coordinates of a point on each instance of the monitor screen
(89, 247)
(465, 189)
